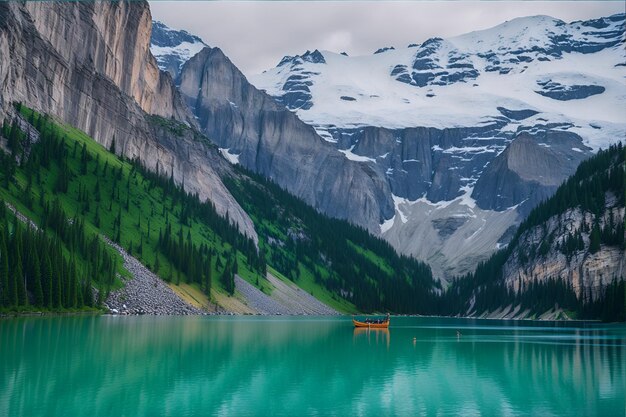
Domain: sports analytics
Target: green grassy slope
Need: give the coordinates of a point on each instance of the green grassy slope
(117, 198)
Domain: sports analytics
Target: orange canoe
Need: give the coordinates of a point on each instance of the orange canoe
(384, 324)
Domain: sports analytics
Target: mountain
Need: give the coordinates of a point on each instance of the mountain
(172, 48)
(470, 132)
(266, 138)
(568, 256)
(82, 89)
(89, 64)
(69, 189)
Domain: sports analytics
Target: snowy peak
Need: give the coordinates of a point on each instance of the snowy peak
(510, 46)
(164, 36)
(572, 72)
(385, 49)
(544, 34)
(172, 48)
(314, 57)
(296, 85)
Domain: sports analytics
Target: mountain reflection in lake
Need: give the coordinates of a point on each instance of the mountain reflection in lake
(112, 366)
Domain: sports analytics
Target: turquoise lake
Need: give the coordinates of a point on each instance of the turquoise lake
(284, 366)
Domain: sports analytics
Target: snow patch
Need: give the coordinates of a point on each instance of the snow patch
(466, 199)
(387, 224)
(398, 202)
(230, 157)
(354, 157)
(184, 50)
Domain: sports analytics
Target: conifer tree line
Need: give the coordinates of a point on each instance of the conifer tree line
(35, 271)
(586, 189)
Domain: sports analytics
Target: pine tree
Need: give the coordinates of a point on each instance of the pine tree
(57, 285)
(4, 270)
(594, 239)
(18, 277)
(83, 159)
(46, 274)
(208, 276)
(38, 290)
(96, 220)
(73, 286)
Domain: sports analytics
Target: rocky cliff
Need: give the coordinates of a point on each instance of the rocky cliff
(89, 64)
(267, 138)
(588, 271)
(172, 48)
(462, 188)
(529, 170)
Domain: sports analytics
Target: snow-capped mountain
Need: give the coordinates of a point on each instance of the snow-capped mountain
(470, 132)
(461, 137)
(172, 48)
(533, 63)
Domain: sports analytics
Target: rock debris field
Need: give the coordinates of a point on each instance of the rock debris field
(145, 293)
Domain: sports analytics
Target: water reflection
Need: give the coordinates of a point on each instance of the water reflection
(101, 366)
(376, 336)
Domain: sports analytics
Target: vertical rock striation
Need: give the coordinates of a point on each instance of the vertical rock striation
(89, 64)
(272, 141)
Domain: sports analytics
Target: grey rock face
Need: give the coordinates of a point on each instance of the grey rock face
(589, 273)
(272, 141)
(89, 65)
(498, 169)
(424, 161)
(447, 226)
(558, 91)
(529, 170)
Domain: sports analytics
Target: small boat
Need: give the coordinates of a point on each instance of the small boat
(372, 323)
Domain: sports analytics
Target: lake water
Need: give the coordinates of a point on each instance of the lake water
(254, 366)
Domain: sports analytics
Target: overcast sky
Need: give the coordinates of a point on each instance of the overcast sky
(257, 34)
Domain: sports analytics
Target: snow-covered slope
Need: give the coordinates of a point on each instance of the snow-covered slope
(527, 63)
(172, 48)
(436, 119)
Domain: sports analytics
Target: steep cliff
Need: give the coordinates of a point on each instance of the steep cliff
(588, 270)
(89, 64)
(529, 170)
(269, 139)
(569, 254)
(578, 235)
